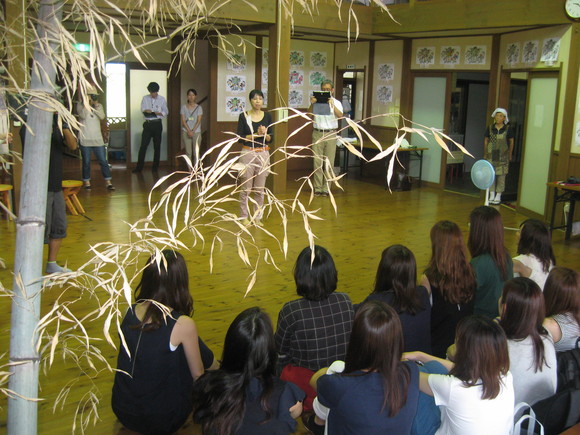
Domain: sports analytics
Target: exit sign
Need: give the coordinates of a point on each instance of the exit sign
(353, 66)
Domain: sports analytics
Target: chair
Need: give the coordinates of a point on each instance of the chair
(117, 142)
(454, 164)
(70, 188)
(6, 198)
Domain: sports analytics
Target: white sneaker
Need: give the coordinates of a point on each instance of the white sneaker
(55, 268)
(491, 196)
(498, 198)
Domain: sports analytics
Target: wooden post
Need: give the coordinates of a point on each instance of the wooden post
(24, 359)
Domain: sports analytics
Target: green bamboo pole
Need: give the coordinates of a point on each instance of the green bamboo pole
(24, 359)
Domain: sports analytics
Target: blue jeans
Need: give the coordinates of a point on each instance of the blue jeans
(428, 417)
(101, 155)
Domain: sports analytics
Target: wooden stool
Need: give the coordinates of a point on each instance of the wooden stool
(70, 188)
(6, 199)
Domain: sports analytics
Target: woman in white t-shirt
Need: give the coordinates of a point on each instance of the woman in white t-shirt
(532, 355)
(477, 396)
(536, 257)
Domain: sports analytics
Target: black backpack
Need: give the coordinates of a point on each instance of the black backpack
(562, 410)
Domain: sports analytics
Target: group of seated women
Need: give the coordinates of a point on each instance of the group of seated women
(450, 353)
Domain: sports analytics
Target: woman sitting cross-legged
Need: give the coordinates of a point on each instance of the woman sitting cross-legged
(477, 396)
(396, 285)
(531, 349)
(376, 393)
(244, 396)
(161, 353)
(313, 331)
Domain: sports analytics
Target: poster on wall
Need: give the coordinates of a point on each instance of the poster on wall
(315, 78)
(296, 98)
(264, 77)
(296, 78)
(237, 62)
(318, 59)
(235, 105)
(512, 53)
(296, 58)
(265, 92)
(550, 50)
(425, 56)
(386, 71)
(265, 57)
(475, 54)
(384, 94)
(235, 84)
(577, 135)
(450, 55)
(530, 52)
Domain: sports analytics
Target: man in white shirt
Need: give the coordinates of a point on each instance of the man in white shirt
(324, 137)
(154, 108)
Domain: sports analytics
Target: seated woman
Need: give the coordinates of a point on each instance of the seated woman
(562, 296)
(532, 355)
(244, 396)
(450, 280)
(396, 285)
(536, 257)
(477, 397)
(489, 258)
(161, 354)
(313, 331)
(376, 393)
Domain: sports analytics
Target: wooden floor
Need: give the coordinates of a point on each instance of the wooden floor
(369, 219)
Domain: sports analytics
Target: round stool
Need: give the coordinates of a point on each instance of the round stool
(70, 188)
(6, 198)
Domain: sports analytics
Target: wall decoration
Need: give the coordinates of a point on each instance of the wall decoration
(425, 55)
(265, 57)
(237, 62)
(550, 50)
(386, 71)
(296, 98)
(530, 52)
(235, 84)
(450, 55)
(296, 58)
(296, 78)
(315, 78)
(264, 76)
(475, 54)
(578, 134)
(265, 92)
(512, 53)
(384, 94)
(235, 105)
(318, 59)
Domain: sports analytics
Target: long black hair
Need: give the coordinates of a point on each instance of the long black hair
(249, 352)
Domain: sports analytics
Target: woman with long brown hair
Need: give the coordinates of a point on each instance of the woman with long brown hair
(450, 280)
(531, 349)
(489, 257)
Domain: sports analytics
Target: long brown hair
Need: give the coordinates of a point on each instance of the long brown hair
(562, 292)
(536, 239)
(449, 269)
(523, 315)
(165, 281)
(482, 354)
(376, 345)
(486, 237)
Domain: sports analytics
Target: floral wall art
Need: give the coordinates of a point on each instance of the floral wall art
(550, 50)
(316, 78)
(318, 59)
(450, 55)
(386, 71)
(235, 84)
(235, 105)
(296, 78)
(296, 58)
(475, 55)
(530, 52)
(512, 53)
(425, 56)
(384, 94)
(237, 62)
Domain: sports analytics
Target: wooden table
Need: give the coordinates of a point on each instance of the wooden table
(570, 193)
(414, 154)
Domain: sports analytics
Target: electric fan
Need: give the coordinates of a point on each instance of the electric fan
(483, 176)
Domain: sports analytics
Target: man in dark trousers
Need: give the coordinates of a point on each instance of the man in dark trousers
(154, 108)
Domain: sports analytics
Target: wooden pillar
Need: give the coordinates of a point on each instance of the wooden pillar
(278, 88)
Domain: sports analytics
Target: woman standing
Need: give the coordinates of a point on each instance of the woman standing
(396, 285)
(191, 114)
(162, 353)
(91, 138)
(244, 396)
(489, 258)
(498, 147)
(255, 131)
(450, 280)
